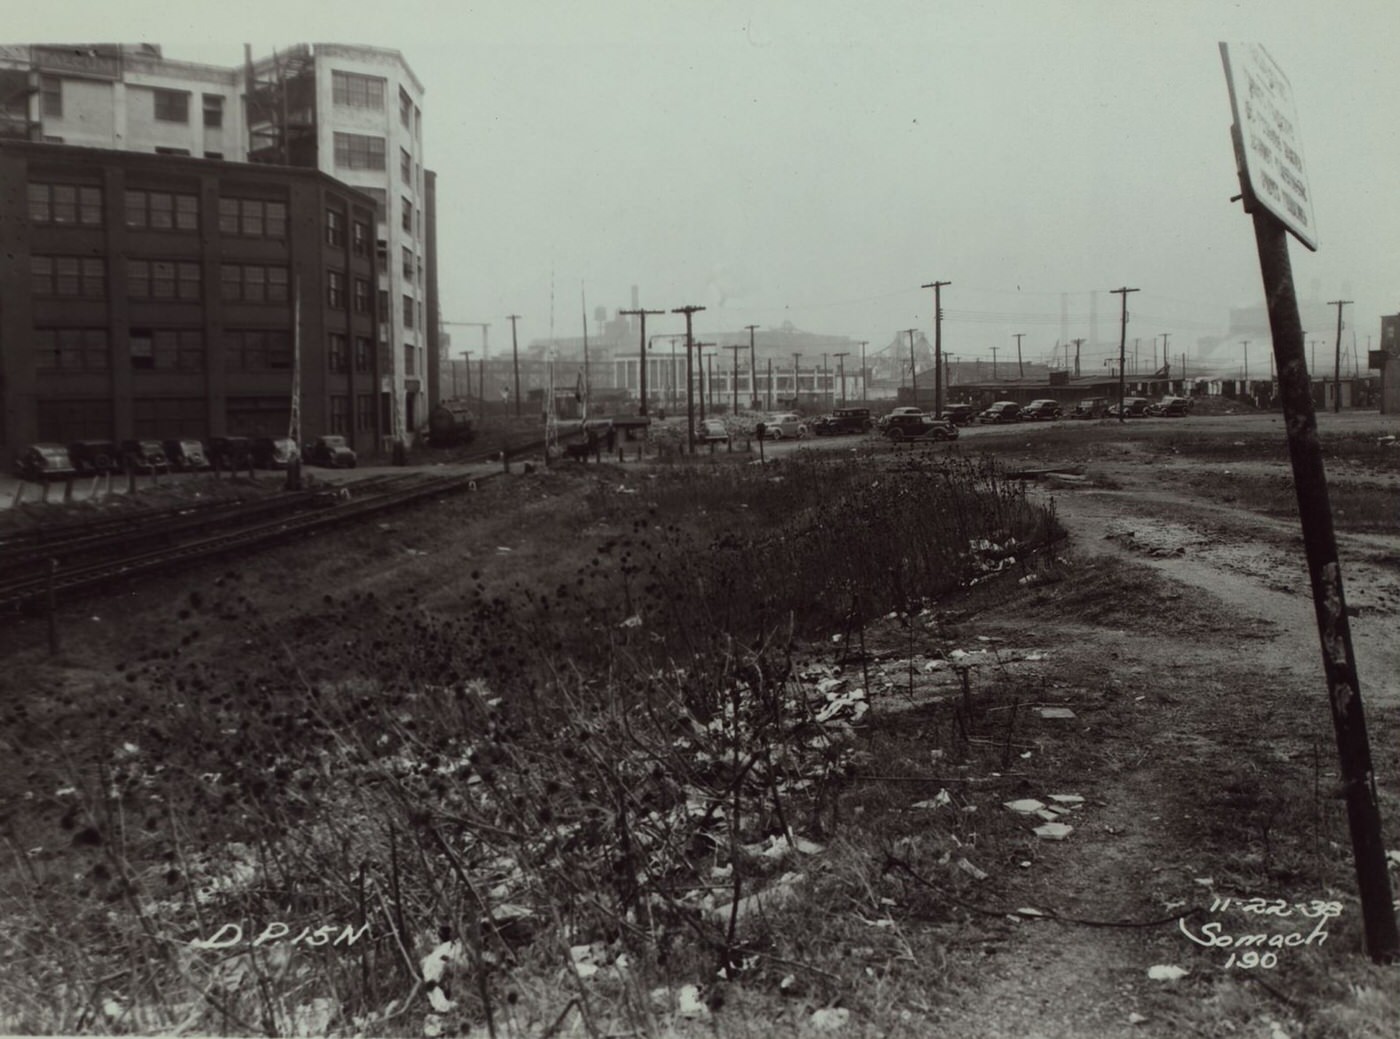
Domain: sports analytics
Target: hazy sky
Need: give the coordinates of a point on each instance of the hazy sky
(816, 161)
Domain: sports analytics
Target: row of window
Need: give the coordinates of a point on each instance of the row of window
(168, 106)
(81, 205)
(356, 90)
(358, 151)
(245, 350)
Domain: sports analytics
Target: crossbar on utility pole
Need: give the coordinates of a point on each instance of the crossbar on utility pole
(1358, 787)
(642, 375)
(688, 311)
(1337, 371)
(515, 361)
(1123, 351)
(937, 287)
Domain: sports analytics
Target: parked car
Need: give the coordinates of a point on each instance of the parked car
(332, 452)
(711, 431)
(1170, 407)
(844, 420)
(95, 456)
(885, 419)
(186, 454)
(1132, 407)
(959, 414)
(145, 456)
(43, 462)
(1042, 410)
(1090, 407)
(275, 452)
(231, 453)
(1001, 411)
(783, 425)
(920, 426)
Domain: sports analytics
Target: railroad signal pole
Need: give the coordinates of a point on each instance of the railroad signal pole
(1123, 350)
(1337, 371)
(688, 311)
(1271, 229)
(642, 375)
(515, 360)
(753, 369)
(734, 374)
(937, 287)
(841, 369)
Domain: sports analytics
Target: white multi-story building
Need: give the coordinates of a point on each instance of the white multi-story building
(353, 112)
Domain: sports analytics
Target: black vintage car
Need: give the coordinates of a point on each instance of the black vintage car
(900, 428)
(231, 453)
(43, 462)
(844, 420)
(95, 456)
(959, 414)
(332, 452)
(186, 454)
(145, 456)
(1042, 410)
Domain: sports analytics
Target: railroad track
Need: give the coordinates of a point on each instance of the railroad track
(124, 561)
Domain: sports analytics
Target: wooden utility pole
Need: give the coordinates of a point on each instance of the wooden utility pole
(1166, 363)
(937, 287)
(913, 368)
(841, 370)
(994, 364)
(1245, 344)
(1337, 372)
(1077, 344)
(1020, 367)
(642, 375)
(1122, 350)
(1358, 785)
(515, 361)
(770, 384)
(701, 378)
(753, 369)
(864, 390)
(796, 373)
(688, 311)
(734, 374)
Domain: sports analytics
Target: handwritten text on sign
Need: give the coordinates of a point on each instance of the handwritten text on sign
(1270, 925)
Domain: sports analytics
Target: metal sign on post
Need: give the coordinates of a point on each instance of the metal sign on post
(1255, 79)
(1269, 146)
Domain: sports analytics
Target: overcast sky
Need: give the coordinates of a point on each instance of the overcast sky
(816, 161)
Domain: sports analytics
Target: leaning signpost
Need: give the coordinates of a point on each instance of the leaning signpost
(1274, 189)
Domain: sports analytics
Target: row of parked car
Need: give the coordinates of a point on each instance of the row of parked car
(49, 461)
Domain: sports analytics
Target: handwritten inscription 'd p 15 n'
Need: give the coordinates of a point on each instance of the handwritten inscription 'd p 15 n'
(1257, 940)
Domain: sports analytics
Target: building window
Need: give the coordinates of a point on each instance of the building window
(213, 110)
(356, 151)
(349, 88)
(364, 412)
(362, 296)
(52, 89)
(408, 365)
(257, 349)
(172, 151)
(163, 279)
(405, 109)
(65, 204)
(72, 276)
(71, 349)
(162, 211)
(170, 416)
(359, 238)
(335, 289)
(167, 349)
(340, 415)
(172, 106)
(338, 352)
(364, 352)
(408, 266)
(252, 218)
(417, 123)
(406, 166)
(406, 216)
(408, 312)
(252, 283)
(335, 228)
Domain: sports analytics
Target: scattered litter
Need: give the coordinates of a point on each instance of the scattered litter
(1026, 806)
(1165, 972)
(1053, 831)
(829, 1019)
(504, 548)
(1050, 815)
(439, 1000)
(1067, 799)
(634, 621)
(1210, 881)
(689, 1004)
(971, 870)
(1024, 863)
(1036, 657)
(942, 800)
(1054, 712)
(1136, 1019)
